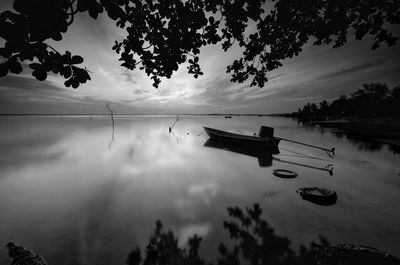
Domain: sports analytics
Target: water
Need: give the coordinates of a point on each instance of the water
(76, 192)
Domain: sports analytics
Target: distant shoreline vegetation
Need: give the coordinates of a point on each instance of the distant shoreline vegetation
(374, 100)
(371, 113)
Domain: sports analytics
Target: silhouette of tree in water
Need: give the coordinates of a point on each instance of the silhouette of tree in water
(163, 249)
(254, 241)
(161, 35)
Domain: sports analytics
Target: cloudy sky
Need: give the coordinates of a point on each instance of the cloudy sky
(319, 73)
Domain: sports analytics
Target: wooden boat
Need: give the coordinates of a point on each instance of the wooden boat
(228, 137)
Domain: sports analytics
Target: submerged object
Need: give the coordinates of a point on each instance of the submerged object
(228, 137)
(318, 195)
(284, 173)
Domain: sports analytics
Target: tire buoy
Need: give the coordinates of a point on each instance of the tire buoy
(284, 173)
(317, 195)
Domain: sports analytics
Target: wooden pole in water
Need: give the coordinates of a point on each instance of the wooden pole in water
(266, 131)
(309, 145)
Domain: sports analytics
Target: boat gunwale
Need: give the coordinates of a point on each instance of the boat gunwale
(226, 134)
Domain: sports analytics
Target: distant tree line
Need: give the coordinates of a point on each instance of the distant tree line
(373, 100)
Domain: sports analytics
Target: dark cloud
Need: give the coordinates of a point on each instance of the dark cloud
(129, 77)
(353, 69)
(275, 76)
(22, 94)
(28, 83)
(213, 90)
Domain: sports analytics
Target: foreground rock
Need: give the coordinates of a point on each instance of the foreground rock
(340, 254)
(23, 256)
(348, 254)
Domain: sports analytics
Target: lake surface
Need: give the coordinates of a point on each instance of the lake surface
(76, 192)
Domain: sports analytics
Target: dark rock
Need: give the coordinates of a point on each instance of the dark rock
(23, 256)
(356, 255)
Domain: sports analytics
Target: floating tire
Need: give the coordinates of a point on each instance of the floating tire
(317, 195)
(284, 173)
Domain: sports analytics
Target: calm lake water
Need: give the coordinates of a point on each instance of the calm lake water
(76, 193)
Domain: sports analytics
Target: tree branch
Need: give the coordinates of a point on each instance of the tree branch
(73, 12)
(48, 46)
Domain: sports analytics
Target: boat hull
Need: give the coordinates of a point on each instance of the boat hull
(240, 139)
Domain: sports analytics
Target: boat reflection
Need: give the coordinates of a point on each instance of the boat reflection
(263, 155)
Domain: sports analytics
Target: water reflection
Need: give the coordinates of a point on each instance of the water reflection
(364, 142)
(263, 155)
(64, 193)
(371, 146)
(252, 241)
(328, 168)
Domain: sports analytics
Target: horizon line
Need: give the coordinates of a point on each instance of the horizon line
(148, 114)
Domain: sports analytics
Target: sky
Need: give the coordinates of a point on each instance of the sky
(318, 73)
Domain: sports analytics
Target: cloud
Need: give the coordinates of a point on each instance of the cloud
(302, 98)
(353, 69)
(218, 91)
(130, 77)
(319, 72)
(29, 84)
(275, 76)
(27, 95)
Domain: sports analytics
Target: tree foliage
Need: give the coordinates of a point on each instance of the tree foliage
(161, 35)
(373, 100)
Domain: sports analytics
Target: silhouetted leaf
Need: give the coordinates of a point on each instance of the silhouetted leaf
(5, 52)
(3, 69)
(67, 57)
(40, 74)
(76, 59)
(66, 71)
(15, 67)
(93, 13)
(75, 83)
(57, 36)
(34, 65)
(68, 82)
